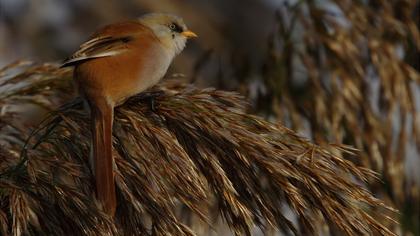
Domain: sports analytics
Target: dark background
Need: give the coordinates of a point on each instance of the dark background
(335, 71)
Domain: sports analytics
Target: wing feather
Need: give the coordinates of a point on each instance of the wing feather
(108, 41)
(98, 47)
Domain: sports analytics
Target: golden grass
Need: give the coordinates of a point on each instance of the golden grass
(198, 151)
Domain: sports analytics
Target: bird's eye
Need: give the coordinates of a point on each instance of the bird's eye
(175, 27)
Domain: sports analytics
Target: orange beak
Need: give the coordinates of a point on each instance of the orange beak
(189, 34)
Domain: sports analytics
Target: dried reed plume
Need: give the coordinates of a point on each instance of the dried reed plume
(348, 72)
(198, 151)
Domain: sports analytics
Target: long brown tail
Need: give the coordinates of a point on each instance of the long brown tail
(102, 117)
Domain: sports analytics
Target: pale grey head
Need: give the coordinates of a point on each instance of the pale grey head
(169, 29)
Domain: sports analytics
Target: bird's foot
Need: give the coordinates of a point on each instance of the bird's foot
(152, 104)
(150, 98)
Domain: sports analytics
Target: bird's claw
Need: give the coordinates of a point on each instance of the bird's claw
(152, 104)
(150, 97)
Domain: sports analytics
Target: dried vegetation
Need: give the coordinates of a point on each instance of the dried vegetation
(348, 72)
(197, 157)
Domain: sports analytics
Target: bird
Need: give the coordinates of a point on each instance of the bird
(119, 61)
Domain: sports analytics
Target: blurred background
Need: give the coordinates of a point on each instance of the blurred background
(50, 30)
(337, 71)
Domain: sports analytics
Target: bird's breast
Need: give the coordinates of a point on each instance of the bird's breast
(152, 69)
(139, 71)
(121, 76)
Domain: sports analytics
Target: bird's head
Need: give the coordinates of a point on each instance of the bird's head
(169, 29)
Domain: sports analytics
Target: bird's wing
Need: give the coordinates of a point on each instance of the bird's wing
(98, 47)
(108, 41)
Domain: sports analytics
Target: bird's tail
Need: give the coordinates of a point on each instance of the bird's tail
(102, 117)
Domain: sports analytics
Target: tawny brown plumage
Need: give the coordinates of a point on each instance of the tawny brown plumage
(119, 61)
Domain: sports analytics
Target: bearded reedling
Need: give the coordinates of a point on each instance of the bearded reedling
(119, 61)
